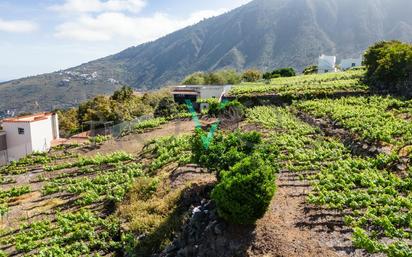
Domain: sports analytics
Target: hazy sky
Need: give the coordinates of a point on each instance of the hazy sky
(39, 36)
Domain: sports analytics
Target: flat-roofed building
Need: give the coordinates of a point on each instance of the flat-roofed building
(199, 92)
(27, 134)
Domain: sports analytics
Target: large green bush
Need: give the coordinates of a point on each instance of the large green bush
(389, 67)
(277, 73)
(246, 190)
(166, 108)
(232, 109)
(224, 151)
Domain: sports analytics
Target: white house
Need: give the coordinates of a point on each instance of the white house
(346, 64)
(327, 64)
(27, 134)
(199, 92)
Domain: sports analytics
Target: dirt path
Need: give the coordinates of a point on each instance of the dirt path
(279, 233)
(292, 227)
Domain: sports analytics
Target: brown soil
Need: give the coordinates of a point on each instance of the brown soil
(134, 143)
(281, 233)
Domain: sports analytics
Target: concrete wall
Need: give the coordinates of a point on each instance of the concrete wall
(42, 134)
(213, 91)
(55, 126)
(18, 145)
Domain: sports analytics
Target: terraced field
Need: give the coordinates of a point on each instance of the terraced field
(304, 86)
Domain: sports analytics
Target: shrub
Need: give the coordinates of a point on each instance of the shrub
(284, 72)
(311, 69)
(389, 67)
(99, 139)
(227, 109)
(245, 191)
(252, 75)
(224, 151)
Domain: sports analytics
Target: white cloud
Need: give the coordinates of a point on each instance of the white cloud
(115, 25)
(96, 6)
(17, 26)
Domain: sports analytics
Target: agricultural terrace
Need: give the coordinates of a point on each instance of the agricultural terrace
(303, 86)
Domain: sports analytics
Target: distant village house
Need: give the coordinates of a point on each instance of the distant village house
(24, 135)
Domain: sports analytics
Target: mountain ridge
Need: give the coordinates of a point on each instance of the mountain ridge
(262, 34)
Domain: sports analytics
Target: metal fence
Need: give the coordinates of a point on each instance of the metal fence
(120, 129)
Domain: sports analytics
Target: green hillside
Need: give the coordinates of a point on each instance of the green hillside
(263, 34)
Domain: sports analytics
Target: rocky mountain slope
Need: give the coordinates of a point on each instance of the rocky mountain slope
(264, 34)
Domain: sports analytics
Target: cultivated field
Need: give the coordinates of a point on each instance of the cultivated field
(343, 181)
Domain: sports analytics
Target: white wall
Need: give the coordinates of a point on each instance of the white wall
(327, 64)
(18, 145)
(213, 91)
(41, 134)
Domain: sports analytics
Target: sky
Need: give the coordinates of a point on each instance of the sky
(40, 36)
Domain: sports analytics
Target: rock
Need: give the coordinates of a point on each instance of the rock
(218, 229)
(401, 167)
(172, 247)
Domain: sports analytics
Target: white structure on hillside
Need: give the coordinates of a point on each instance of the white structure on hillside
(346, 64)
(327, 64)
(199, 92)
(27, 134)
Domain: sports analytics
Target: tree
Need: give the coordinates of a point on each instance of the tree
(267, 75)
(197, 78)
(166, 108)
(277, 73)
(123, 94)
(153, 98)
(221, 77)
(389, 67)
(284, 72)
(311, 69)
(68, 122)
(252, 75)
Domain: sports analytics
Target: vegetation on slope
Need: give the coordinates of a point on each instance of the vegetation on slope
(389, 67)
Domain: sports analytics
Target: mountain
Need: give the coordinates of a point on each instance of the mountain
(264, 34)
